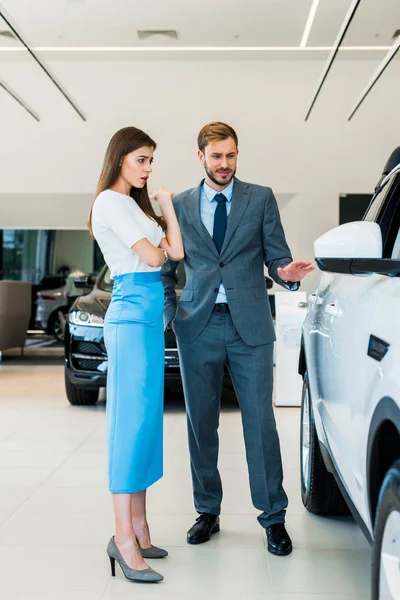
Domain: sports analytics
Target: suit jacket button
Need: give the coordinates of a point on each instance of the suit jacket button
(221, 265)
(216, 290)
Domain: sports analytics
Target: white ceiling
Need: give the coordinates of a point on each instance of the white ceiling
(373, 25)
(106, 23)
(100, 31)
(99, 23)
(177, 87)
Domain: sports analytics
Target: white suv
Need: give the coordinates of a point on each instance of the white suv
(350, 363)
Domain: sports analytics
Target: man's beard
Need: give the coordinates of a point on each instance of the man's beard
(213, 178)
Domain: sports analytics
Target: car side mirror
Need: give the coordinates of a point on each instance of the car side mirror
(85, 282)
(361, 239)
(354, 249)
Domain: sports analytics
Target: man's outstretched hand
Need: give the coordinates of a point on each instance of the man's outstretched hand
(295, 271)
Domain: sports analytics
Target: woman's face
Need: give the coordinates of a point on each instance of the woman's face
(136, 166)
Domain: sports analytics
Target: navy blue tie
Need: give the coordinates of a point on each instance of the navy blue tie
(220, 221)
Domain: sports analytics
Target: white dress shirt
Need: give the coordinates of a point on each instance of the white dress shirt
(207, 211)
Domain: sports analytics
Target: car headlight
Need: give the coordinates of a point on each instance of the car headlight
(81, 317)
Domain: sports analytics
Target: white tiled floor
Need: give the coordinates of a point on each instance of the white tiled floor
(56, 518)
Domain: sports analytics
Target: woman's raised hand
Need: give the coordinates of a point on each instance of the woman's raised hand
(161, 196)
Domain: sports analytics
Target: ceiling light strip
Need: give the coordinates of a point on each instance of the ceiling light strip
(42, 66)
(379, 71)
(342, 32)
(309, 23)
(19, 100)
(194, 49)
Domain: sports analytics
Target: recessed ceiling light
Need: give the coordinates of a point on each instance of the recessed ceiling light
(143, 34)
(6, 33)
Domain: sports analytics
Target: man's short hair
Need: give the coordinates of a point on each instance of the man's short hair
(215, 132)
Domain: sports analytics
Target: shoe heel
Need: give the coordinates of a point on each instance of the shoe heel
(216, 528)
(112, 562)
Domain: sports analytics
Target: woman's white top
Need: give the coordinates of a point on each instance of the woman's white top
(118, 223)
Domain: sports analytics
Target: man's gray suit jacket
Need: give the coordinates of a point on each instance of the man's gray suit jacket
(254, 237)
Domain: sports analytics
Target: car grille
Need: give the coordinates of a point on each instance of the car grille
(91, 348)
(170, 339)
(88, 355)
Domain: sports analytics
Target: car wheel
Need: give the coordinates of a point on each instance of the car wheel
(319, 490)
(386, 553)
(57, 323)
(80, 396)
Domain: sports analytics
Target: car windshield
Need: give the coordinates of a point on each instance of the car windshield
(106, 283)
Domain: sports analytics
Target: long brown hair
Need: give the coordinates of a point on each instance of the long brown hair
(123, 142)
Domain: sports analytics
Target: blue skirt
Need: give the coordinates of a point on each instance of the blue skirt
(134, 339)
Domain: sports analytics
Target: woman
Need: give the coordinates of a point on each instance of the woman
(135, 243)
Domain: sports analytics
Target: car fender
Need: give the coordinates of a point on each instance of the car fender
(378, 460)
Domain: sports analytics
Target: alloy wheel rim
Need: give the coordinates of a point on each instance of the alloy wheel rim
(305, 441)
(58, 330)
(389, 574)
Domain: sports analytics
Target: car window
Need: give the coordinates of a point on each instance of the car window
(385, 211)
(396, 247)
(392, 242)
(106, 283)
(389, 219)
(377, 203)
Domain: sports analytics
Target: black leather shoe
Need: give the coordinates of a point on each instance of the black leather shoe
(203, 529)
(279, 542)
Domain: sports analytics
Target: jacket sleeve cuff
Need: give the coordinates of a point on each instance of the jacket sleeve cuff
(293, 286)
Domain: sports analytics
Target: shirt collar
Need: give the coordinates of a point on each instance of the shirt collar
(211, 193)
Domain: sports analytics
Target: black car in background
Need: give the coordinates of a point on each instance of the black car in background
(85, 352)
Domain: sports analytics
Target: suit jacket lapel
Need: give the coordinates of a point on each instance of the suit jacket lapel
(195, 213)
(240, 200)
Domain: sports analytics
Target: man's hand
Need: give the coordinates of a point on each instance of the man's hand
(171, 325)
(295, 271)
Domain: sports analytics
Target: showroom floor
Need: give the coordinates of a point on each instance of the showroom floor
(55, 511)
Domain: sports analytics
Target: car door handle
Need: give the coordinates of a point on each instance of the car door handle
(314, 299)
(333, 310)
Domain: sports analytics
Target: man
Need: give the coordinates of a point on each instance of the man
(230, 230)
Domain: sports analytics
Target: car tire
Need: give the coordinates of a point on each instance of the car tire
(80, 396)
(319, 491)
(386, 552)
(56, 324)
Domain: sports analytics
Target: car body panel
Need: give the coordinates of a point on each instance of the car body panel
(348, 382)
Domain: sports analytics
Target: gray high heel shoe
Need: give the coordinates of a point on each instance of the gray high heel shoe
(153, 552)
(145, 576)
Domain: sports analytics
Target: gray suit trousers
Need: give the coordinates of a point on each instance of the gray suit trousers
(251, 370)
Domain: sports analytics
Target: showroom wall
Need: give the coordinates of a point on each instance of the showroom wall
(51, 168)
(75, 249)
